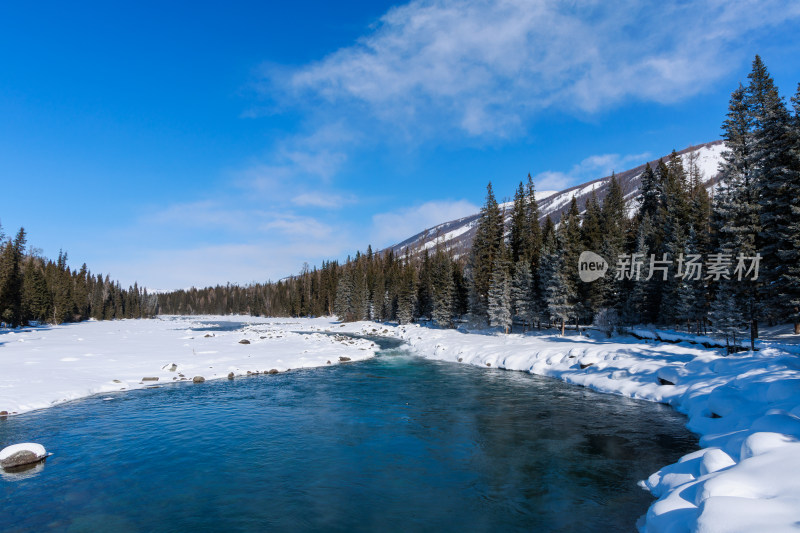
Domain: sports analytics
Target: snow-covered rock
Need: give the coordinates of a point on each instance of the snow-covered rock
(21, 454)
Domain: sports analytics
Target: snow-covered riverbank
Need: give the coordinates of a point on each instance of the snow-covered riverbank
(41, 367)
(745, 407)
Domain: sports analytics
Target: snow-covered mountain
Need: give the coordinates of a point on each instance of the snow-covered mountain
(457, 235)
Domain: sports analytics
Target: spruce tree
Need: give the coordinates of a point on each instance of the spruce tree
(770, 161)
(522, 293)
(443, 287)
(790, 255)
(486, 247)
(500, 295)
(557, 289)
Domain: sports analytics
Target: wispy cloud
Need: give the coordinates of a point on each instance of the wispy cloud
(486, 68)
(394, 226)
(318, 199)
(593, 167)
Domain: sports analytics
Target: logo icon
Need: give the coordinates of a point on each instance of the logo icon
(591, 267)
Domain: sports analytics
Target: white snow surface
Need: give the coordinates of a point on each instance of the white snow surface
(744, 407)
(44, 366)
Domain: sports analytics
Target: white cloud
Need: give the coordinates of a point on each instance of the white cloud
(486, 68)
(320, 199)
(395, 226)
(593, 167)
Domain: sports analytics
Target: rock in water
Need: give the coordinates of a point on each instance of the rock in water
(231, 375)
(198, 379)
(22, 454)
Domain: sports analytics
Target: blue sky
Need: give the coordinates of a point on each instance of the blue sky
(203, 143)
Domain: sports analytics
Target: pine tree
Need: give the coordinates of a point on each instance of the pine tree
(556, 287)
(519, 226)
(443, 290)
(407, 294)
(486, 247)
(500, 295)
(770, 161)
(650, 193)
(522, 293)
(791, 256)
(11, 280)
(736, 209)
(344, 294)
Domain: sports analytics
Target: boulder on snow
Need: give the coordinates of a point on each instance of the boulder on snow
(22, 454)
(198, 379)
(230, 375)
(343, 359)
(244, 341)
(172, 368)
(273, 371)
(150, 379)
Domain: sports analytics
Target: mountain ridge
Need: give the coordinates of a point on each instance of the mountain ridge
(456, 235)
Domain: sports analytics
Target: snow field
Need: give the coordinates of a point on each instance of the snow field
(41, 367)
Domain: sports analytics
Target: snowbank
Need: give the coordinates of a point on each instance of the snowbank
(41, 367)
(745, 407)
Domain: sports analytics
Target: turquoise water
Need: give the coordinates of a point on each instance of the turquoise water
(397, 443)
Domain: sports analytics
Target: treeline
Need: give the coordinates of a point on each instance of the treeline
(375, 286)
(35, 289)
(676, 257)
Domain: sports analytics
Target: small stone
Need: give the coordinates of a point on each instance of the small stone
(230, 375)
(460, 359)
(117, 381)
(249, 372)
(149, 379)
(3, 413)
(273, 370)
(244, 341)
(198, 379)
(207, 335)
(328, 363)
(343, 359)
(585, 365)
(663, 381)
(488, 364)
(715, 415)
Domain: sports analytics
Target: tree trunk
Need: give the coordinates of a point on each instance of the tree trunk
(753, 334)
(563, 324)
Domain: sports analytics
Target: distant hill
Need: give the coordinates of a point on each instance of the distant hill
(457, 235)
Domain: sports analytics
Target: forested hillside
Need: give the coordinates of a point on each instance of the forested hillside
(682, 259)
